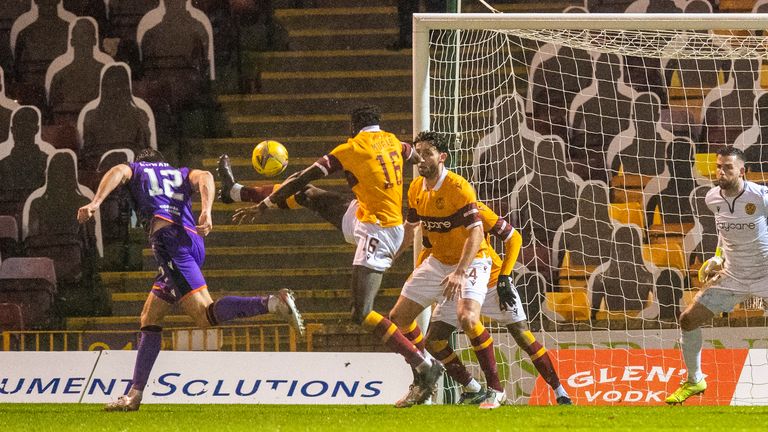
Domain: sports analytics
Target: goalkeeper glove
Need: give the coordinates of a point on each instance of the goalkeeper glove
(507, 295)
(711, 266)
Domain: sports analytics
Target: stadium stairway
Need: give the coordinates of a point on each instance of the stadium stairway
(335, 60)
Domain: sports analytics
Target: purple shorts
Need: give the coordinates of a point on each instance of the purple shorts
(180, 255)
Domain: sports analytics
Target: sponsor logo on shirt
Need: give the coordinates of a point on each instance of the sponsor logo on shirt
(431, 225)
(722, 226)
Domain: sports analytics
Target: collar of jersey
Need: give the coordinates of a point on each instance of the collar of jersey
(371, 128)
(443, 175)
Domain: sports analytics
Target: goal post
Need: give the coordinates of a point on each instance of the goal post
(594, 135)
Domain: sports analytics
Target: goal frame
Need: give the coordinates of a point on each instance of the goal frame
(424, 22)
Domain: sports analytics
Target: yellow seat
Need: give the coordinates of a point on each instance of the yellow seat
(572, 306)
(667, 254)
(621, 315)
(627, 213)
(706, 164)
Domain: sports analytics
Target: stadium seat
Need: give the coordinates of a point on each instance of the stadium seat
(116, 120)
(30, 283)
(669, 254)
(570, 306)
(124, 16)
(628, 213)
(73, 78)
(754, 141)
(706, 165)
(11, 317)
(61, 136)
(668, 194)
(547, 196)
(669, 285)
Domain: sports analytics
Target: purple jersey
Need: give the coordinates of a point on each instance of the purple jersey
(160, 190)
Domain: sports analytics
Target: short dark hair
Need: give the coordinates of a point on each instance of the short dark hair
(150, 155)
(731, 151)
(366, 115)
(440, 141)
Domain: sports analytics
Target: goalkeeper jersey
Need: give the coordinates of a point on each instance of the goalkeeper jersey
(373, 164)
(743, 230)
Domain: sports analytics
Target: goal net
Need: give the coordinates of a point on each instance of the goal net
(594, 135)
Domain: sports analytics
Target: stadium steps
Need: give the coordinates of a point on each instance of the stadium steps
(283, 234)
(320, 124)
(314, 300)
(338, 18)
(327, 60)
(255, 280)
(311, 147)
(131, 322)
(326, 102)
(357, 38)
(298, 4)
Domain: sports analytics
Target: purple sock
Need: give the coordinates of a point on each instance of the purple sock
(149, 348)
(230, 307)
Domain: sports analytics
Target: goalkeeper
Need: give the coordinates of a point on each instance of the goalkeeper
(737, 271)
(502, 304)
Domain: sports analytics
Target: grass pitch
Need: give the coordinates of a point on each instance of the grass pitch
(221, 418)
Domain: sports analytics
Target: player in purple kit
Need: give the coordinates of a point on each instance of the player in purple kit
(162, 195)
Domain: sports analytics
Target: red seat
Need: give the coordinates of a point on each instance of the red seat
(61, 136)
(30, 283)
(11, 317)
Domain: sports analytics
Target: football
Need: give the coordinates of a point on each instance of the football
(270, 158)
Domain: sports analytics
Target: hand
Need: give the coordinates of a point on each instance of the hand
(453, 284)
(506, 291)
(85, 213)
(710, 268)
(204, 224)
(247, 214)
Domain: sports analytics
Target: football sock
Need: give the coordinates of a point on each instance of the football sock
(231, 307)
(560, 391)
(453, 366)
(235, 194)
(254, 194)
(482, 343)
(473, 386)
(691, 345)
(146, 354)
(541, 360)
(389, 335)
(413, 334)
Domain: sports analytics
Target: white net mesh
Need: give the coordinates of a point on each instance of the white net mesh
(598, 146)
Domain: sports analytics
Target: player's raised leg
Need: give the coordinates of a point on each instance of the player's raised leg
(690, 325)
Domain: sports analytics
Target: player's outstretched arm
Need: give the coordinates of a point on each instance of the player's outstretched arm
(117, 175)
(203, 181)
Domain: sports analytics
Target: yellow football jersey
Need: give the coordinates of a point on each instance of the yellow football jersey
(373, 165)
(492, 224)
(446, 212)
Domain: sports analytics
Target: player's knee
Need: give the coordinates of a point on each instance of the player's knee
(516, 331)
(468, 319)
(399, 319)
(688, 322)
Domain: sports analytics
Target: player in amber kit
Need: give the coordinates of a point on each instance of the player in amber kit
(163, 196)
(458, 268)
(373, 163)
(503, 305)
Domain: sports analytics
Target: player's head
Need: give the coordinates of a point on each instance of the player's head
(730, 168)
(433, 148)
(366, 115)
(150, 155)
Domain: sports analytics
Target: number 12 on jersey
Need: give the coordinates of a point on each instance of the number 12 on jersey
(397, 169)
